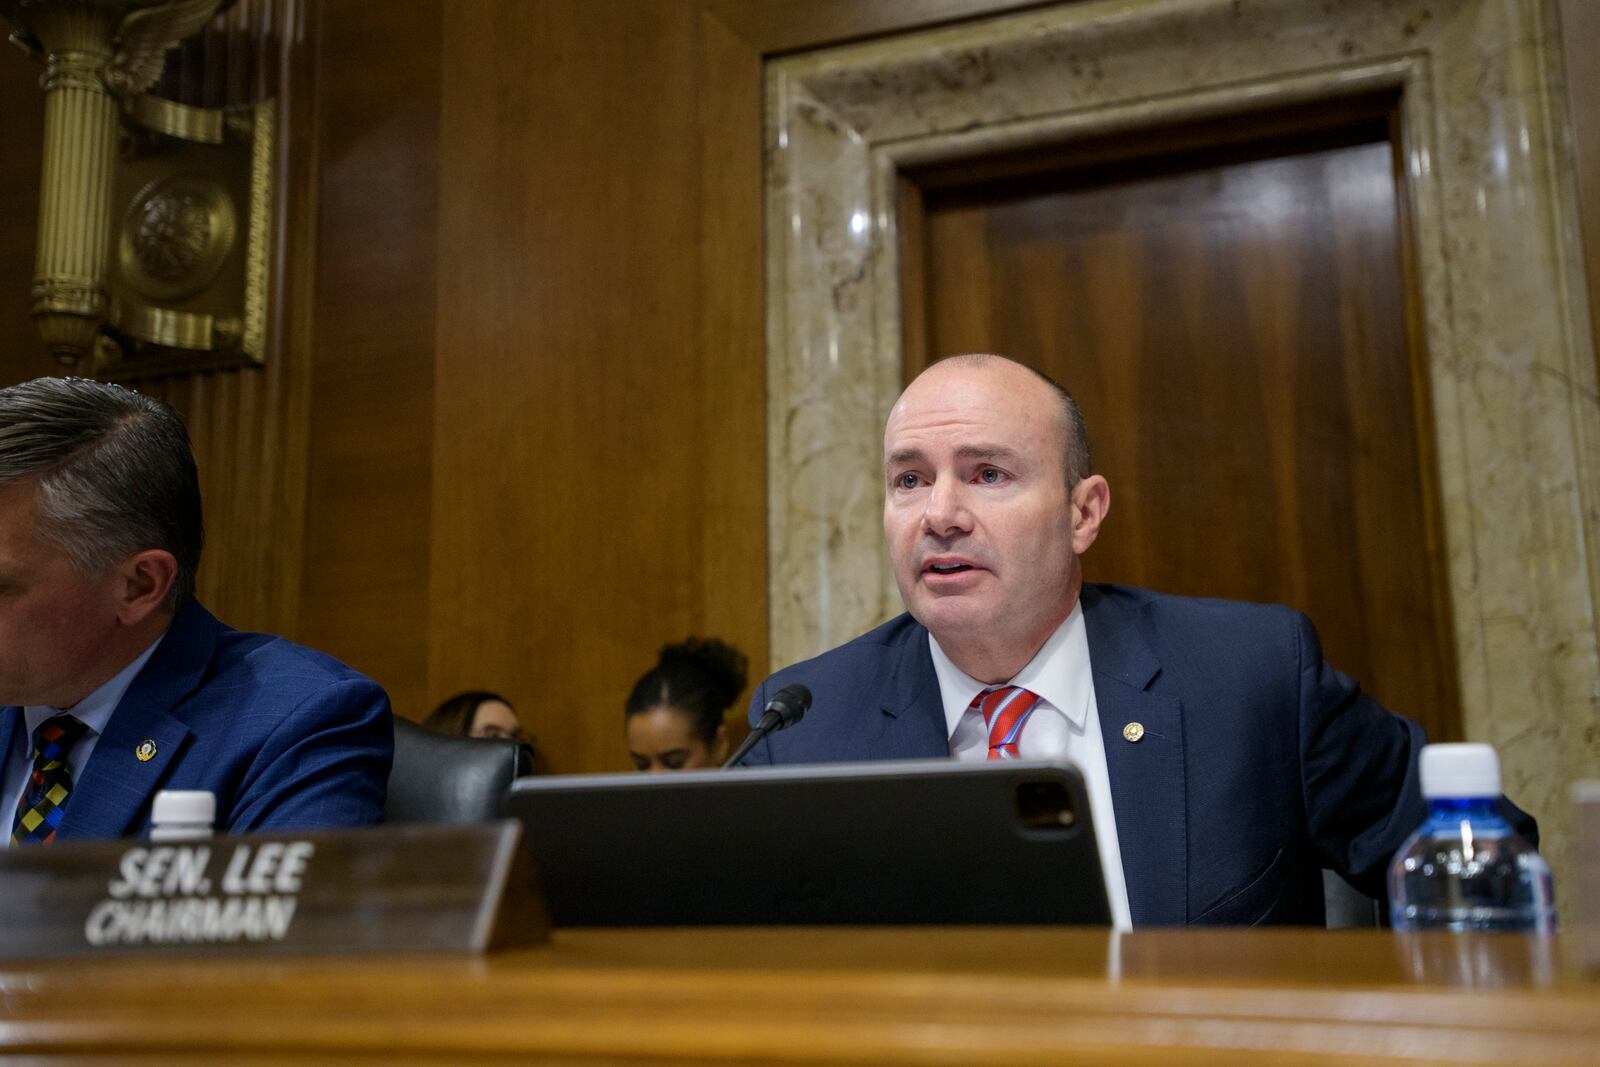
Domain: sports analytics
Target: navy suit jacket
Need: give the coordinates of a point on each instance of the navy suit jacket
(1259, 764)
(285, 737)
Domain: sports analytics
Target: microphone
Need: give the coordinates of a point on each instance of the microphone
(781, 712)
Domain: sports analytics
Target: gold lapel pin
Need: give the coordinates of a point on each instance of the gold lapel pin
(146, 751)
(1133, 731)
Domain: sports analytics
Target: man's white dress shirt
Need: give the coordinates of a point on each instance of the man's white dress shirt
(1064, 725)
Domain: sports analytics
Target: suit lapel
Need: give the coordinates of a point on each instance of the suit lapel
(117, 784)
(1147, 776)
(11, 725)
(912, 725)
(13, 731)
(124, 772)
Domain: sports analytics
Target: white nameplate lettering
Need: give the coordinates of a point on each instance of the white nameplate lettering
(163, 895)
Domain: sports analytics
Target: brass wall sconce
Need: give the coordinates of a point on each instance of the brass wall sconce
(154, 219)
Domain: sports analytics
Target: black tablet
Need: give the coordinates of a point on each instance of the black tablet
(901, 842)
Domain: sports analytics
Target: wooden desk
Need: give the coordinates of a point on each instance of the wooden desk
(832, 996)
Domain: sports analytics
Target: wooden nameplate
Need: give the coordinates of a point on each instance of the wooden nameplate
(416, 888)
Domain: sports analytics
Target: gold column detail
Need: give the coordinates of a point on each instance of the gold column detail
(80, 141)
(94, 52)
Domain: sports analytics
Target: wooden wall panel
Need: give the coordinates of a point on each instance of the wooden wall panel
(571, 457)
(368, 511)
(733, 517)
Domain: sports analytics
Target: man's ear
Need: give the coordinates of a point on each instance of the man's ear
(1091, 501)
(143, 582)
(719, 744)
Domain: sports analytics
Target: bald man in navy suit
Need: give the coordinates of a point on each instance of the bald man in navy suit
(1227, 763)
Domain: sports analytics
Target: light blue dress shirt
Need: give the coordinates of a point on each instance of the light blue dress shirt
(94, 711)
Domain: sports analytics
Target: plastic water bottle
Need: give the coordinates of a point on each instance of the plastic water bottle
(182, 815)
(1465, 868)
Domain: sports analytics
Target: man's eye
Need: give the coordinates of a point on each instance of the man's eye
(906, 481)
(991, 476)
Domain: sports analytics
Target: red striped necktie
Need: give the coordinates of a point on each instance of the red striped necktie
(1004, 711)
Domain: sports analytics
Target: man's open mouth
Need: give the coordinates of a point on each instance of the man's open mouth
(949, 568)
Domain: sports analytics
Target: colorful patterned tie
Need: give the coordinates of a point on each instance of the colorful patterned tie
(39, 811)
(1004, 711)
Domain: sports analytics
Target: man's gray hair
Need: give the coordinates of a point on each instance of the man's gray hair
(115, 473)
(1076, 461)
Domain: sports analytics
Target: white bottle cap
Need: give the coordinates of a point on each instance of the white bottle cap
(183, 806)
(1460, 770)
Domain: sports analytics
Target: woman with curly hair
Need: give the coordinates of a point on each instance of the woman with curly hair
(674, 716)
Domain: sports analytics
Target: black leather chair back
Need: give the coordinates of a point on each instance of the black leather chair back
(1348, 907)
(442, 779)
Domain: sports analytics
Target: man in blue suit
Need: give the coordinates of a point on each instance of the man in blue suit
(1227, 764)
(118, 682)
